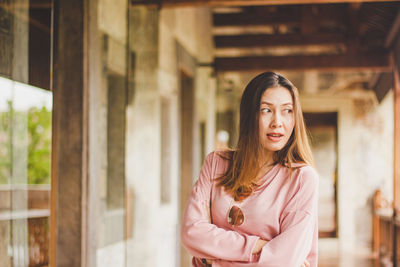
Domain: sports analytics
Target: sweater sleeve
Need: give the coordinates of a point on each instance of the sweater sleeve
(204, 239)
(297, 240)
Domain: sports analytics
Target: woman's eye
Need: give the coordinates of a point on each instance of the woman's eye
(288, 110)
(265, 110)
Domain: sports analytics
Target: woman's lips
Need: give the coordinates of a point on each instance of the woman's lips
(274, 137)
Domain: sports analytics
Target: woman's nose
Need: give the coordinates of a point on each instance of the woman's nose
(276, 121)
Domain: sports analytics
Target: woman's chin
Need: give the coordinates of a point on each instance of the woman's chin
(268, 149)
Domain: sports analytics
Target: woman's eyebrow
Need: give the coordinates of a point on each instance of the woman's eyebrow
(271, 104)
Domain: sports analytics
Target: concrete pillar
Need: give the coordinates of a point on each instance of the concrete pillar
(211, 116)
(143, 135)
(205, 109)
(116, 143)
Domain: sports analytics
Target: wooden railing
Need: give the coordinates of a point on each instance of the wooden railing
(396, 241)
(27, 206)
(386, 232)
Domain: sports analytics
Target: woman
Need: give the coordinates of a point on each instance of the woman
(257, 205)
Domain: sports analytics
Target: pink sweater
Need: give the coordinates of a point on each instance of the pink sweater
(282, 211)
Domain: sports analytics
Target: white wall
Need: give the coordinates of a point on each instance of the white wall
(365, 159)
(156, 226)
(110, 20)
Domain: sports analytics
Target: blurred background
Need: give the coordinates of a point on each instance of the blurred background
(108, 108)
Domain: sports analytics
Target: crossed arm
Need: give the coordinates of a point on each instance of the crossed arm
(229, 248)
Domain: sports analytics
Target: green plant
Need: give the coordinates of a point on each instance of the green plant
(39, 145)
(5, 150)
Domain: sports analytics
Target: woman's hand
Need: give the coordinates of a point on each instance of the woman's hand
(305, 264)
(259, 245)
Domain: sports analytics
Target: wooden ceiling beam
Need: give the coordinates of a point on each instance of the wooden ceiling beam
(374, 62)
(352, 25)
(248, 18)
(308, 25)
(306, 17)
(265, 40)
(216, 3)
(393, 32)
(383, 84)
(43, 5)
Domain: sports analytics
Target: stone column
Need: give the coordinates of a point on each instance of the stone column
(143, 135)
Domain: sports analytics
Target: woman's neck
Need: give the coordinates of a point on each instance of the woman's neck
(265, 163)
(266, 159)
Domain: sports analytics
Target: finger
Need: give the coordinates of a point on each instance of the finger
(307, 263)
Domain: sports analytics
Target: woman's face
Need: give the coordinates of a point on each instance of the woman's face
(276, 120)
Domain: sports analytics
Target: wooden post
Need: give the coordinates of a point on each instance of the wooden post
(396, 139)
(376, 225)
(396, 181)
(70, 142)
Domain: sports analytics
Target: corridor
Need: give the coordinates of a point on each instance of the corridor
(329, 256)
(109, 107)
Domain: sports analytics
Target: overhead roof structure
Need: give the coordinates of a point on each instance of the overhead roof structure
(302, 37)
(178, 3)
(299, 35)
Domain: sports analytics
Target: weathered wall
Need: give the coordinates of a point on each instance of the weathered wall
(154, 37)
(143, 137)
(365, 159)
(108, 59)
(373, 165)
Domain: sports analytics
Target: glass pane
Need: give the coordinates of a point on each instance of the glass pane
(25, 132)
(25, 153)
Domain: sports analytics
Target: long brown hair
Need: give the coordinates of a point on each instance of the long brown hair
(243, 167)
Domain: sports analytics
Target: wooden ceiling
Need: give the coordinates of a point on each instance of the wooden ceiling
(180, 3)
(320, 35)
(304, 37)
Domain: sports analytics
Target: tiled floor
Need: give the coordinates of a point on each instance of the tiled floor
(329, 256)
